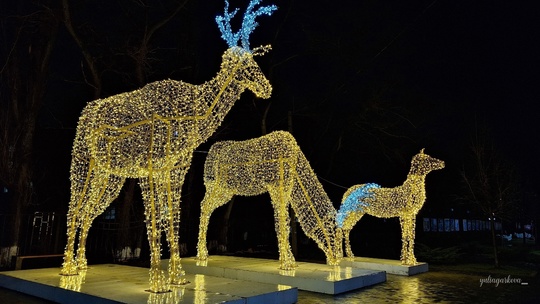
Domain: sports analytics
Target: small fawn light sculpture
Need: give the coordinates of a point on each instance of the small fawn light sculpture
(402, 201)
(275, 164)
(150, 134)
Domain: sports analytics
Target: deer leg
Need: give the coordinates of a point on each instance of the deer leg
(407, 239)
(80, 180)
(104, 190)
(215, 196)
(173, 184)
(81, 249)
(69, 266)
(158, 283)
(282, 222)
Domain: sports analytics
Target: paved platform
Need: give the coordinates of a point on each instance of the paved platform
(124, 284)
(390, 266)
(313, 277)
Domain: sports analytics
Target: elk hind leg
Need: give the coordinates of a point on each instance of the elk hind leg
(104, 190)
(69, 266)
(80, 179)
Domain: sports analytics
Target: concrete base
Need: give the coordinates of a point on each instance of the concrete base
(123, 284)
(307, 276)
(390, 266)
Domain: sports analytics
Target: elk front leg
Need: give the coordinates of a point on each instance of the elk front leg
(158, 282)
(69, 267)
(81, 250)
(173, 184)
(407, 239)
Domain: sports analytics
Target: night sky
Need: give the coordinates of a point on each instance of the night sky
(367, 83)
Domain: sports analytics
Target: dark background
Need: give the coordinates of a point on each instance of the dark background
(362, 85)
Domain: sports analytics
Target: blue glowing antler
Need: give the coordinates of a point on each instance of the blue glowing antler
(224, 25)
(248, 24)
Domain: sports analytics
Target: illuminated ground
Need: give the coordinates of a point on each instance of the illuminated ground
(110, 283)
(436, 286)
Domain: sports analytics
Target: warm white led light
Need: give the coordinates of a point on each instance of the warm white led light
(275, 164)
(402, 201)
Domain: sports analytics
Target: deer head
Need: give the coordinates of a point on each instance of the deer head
(240, 57)
(422, 164)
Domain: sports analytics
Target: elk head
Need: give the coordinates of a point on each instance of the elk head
(240, 58)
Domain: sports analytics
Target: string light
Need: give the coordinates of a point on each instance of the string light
(150, 134)
(403, 201)
(275, 164)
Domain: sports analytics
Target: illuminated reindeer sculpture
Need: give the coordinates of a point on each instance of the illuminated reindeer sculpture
(402, 201)
(150, 134)
(275, 164)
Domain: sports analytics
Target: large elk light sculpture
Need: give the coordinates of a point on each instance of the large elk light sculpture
(150, 134)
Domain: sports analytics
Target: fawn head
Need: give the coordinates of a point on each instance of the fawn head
(422, 164)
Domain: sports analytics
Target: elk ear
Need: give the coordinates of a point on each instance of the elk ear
(261, 50)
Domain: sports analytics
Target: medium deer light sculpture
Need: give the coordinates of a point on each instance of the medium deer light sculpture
(150, 134)
(275, 164)
(402, 201)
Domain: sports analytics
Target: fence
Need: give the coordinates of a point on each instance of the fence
(41, 232)
(44, 233)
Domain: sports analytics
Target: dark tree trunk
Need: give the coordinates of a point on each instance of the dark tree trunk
(494, 241)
